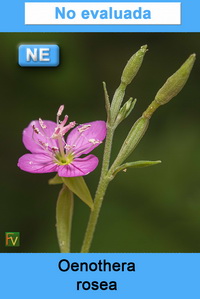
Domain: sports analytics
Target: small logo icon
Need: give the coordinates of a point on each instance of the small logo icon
(38, 55)
(12, 239)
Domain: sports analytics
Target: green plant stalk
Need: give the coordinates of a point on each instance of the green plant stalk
(101, 189)
(128, 74)
(169, 90)
(104, 178)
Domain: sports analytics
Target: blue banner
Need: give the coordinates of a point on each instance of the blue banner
(109, 275)
(100, 16)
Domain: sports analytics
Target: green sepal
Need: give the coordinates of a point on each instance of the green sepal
(78, 186)
(64, 213)
(55, 180)
(137, 164)
(125, 111)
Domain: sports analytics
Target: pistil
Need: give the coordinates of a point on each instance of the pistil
(61, 148)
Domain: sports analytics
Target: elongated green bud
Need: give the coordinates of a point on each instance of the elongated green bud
(172, 86)
(125, 111)
(133, 138)
(129, 72)
(176, 82)
(133, 66)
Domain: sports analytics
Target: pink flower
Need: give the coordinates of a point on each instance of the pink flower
(51, 152)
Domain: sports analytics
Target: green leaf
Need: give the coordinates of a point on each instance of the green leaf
(107, 101)
(78, 186)
(55, 180)
(64, 212)
(137, 164)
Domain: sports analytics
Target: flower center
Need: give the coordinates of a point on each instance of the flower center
(64, 160)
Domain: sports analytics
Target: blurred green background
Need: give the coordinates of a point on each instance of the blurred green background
(156, 209)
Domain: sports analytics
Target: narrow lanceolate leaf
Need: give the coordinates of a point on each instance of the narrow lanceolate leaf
(78, 186)
(64, 212)
(137, 164)
(107, 101)
(55, 180)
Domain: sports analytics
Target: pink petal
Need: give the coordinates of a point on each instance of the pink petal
(37, 163)
(96, 131)
(31, 139)
(79, 167)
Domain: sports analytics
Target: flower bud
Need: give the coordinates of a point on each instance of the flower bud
(176, 82)
(125, 111)
(133, 65)
(172, 86)
(133, 138)
(129, 72)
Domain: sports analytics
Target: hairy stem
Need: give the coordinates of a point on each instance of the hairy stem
(101, 189)
(104, 178)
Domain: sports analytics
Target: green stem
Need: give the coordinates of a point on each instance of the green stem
(94, 215)
(103, 184)
(104, 178)
(64, 212)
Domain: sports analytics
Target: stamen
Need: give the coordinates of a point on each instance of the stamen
(94, 141)
(68, 147)
(44, 132)
(68, 127)
(60, 130)
(54, 148)
(42, 125)
(55, 133)
(43, 144)
(84, 128)
(60, 110)
(81, 130)
(36, 130)
(62, 123)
